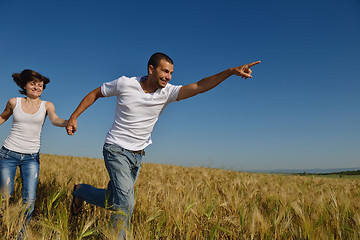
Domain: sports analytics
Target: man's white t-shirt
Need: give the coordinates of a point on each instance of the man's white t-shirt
(136, 111)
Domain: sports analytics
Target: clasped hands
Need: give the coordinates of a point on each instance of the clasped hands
(71, 126)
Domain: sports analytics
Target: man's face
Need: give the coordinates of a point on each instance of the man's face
(162, 74)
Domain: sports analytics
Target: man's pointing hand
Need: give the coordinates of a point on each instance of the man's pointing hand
(244, 71)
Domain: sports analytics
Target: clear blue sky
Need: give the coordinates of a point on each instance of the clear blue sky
(300, 109)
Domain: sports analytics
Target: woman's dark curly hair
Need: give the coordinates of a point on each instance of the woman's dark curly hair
(21, 79)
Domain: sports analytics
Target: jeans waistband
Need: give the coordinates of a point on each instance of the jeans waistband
(141, 152)
(18, 153)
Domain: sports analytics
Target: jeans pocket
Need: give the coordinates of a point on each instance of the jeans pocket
(3, 154)
(36, 157)
(138, 159)
(134, 159)
(112, 149)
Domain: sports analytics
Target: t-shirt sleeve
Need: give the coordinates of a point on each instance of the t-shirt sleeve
(173, 93)
(109, 89)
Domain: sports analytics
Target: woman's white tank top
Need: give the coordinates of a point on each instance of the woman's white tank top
(26, 129)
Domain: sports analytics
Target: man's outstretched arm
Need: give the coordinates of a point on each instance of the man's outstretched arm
(208, 83)
(87, 101)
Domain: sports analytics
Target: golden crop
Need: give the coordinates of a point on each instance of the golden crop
(174, 202)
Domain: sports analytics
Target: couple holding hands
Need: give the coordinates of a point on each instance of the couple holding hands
(140, 101)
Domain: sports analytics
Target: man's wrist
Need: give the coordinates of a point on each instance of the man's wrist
(231, 71)
(72, 118)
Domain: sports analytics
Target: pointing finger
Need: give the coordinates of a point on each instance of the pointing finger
(253, 63)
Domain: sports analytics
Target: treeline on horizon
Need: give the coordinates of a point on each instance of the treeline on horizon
(343, 173)
(357, 172)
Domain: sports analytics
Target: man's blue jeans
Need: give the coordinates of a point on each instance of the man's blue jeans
(123, 167)
(29, 165)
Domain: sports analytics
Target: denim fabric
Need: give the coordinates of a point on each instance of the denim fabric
(29, 165)
(123, 167)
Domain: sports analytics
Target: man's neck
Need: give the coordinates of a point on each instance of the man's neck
(148, 86)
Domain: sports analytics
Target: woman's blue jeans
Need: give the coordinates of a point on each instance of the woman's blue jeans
(123, 167)
(29, 165)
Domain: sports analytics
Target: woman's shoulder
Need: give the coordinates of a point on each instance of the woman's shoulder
(48, 105)
(12, 102)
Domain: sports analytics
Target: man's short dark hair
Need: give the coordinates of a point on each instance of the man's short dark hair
(157, 57)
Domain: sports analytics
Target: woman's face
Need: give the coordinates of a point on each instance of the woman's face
(34, 88)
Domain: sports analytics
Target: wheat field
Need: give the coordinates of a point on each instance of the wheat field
(174, 202)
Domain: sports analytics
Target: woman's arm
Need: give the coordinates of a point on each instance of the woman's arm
(55, 120)
(8, 111)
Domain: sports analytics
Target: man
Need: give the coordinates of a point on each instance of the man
(140, 101)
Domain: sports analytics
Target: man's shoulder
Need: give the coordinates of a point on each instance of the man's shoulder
(122, 81)
(170, 86)
(124, 78)
(128, 79)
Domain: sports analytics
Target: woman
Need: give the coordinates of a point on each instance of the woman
(21, 148)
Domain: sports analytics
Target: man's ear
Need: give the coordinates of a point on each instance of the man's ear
(150, 69)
